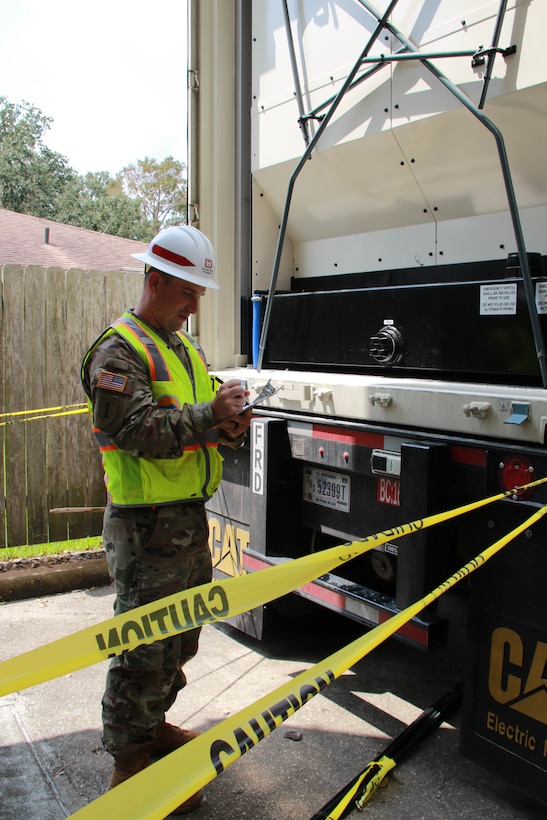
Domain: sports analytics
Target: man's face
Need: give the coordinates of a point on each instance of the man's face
(174, 301)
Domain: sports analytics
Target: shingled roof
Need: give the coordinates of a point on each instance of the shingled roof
(31, 240)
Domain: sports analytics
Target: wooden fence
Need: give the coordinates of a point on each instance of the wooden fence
(48, 319)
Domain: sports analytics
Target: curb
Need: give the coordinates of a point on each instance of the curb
(18, 584)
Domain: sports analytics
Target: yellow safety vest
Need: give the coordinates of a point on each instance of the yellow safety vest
(132, 481)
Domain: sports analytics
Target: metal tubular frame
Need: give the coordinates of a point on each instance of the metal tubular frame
(383, 22)
(297, 89)
(307, 153)
(492, 55)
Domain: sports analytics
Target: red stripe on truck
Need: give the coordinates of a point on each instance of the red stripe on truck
(374, 440)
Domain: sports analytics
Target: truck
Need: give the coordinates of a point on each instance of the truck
(372, 175)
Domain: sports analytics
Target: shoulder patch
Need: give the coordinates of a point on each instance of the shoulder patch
(112, 381)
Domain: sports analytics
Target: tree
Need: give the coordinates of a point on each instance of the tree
(141, 199)
(160, 187)
(31, 175)
(96, 202)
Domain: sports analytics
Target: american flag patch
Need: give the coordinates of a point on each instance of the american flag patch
(112, 381)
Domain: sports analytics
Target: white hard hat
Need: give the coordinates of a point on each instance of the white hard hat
(184, 252)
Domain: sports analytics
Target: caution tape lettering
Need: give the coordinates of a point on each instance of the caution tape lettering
(187, 613)
(245, 737)
(402, 529)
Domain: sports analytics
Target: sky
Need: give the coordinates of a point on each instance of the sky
(110, 73)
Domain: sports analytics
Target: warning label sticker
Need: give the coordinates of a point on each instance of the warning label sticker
(541, 297)
(498, 300)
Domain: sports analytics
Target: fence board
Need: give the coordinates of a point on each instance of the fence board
(58, 347)
(35, 380)
(115, 301)
(79, 284)
(14, 387)
(133, 283)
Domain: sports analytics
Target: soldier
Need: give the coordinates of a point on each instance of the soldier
(158, 421)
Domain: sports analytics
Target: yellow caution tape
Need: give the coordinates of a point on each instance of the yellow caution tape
(42, 410)
(384, 765)
(154, 792)
(31, 414)
(372, 777)
(200, 605)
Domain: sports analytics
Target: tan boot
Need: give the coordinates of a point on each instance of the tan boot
(126, 765)
(168, 739)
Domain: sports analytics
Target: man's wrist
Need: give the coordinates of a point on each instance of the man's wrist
(202, 416)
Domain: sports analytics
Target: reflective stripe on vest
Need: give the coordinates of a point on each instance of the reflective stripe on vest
(157, 366)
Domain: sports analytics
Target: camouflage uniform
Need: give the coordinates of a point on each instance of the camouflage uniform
(151, 551)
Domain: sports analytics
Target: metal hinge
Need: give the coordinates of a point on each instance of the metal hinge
(193, 79)
(193, 213)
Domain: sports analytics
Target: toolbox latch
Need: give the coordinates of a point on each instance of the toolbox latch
(520, 412)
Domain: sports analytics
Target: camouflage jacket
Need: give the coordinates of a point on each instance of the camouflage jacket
(133, 420)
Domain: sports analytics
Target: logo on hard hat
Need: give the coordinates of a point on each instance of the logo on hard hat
(209, 264)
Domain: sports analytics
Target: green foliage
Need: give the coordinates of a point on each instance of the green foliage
(96, 202)
(160, 187)
(141, 199)
(31, 175)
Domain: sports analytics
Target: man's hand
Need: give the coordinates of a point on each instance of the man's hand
(229, 401)
(238, 424)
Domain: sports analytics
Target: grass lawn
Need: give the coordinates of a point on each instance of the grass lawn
(52, 548)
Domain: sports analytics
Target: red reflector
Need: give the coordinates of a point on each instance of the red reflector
(514, 472)
(343, 436)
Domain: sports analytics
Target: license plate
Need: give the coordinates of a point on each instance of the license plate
(327, 489)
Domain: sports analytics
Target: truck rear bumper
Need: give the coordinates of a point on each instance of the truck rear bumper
(361, 604)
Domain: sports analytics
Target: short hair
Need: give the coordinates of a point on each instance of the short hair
(148, 269)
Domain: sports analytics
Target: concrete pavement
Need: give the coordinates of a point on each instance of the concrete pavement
(52, 763)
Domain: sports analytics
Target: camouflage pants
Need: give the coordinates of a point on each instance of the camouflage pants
(151, 553)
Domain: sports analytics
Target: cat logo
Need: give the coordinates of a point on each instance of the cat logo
(514, 682)
(227, 542)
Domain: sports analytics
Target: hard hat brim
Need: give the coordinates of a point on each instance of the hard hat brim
(204, 280)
